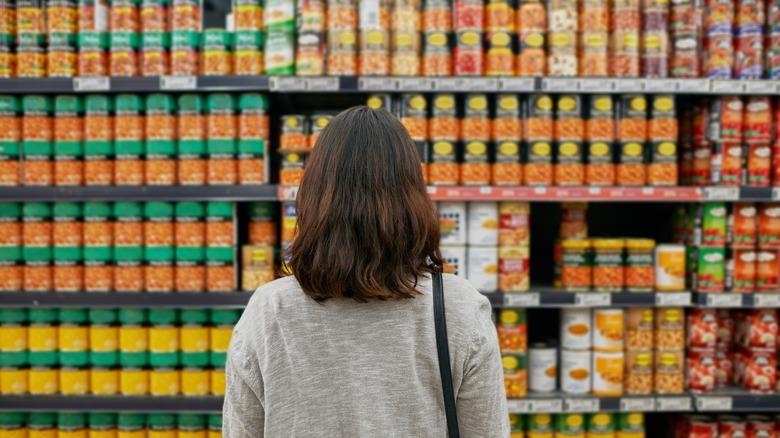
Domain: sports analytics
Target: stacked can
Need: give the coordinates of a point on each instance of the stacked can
(342, 45)
(164, 378)
(98, 141)
(500, 38)
(576, 334)
(538, 137)
(133, 351)
(215, 53)
(159, 241)
(98, 241)
(562, 38)
(67, 234)
(252, 145)
(15, 351)
(594, 38)
(436, 33)
(73, 344)
(37, 136)
(755, 353)
(624, 45)
(685, 44)
(599, 138)
(639, 375)
(257, 258)
(757, 148)
(514, 246)
(221, 134)
(104, 351)
(669, 351)
(512, 328)
(753, 249)
(444, 131)
(483, 238)
(531, 29)
(190, 241)
(454, 225)
(468, 29)
(186, 15)
(194, 342)
(30, 54)
(191, 146)
(128, 247)
(718, 46)
(11, 241)
(655, 49)
(569, 133)
(123, 25)
(663, 133)
(478, 153)
(508, 134)
(10, 137)
(129, 134)
(154, 38)
(37, 245)
(222, 323)
(44, 357)
(310, 52)
(773, 40)
(248, 50)
(631, 137)
(749, 39)
(374, 26)
(68, 141)
(279, 21)
(160, 128)
(707, 347)
(406, 22)
(220, 247)
(61, 28)
(706, 251)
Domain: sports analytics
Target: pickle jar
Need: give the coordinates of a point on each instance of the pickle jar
(31, 56)
(92, 54)
(123, 60)
(154, 54)
(215, 52)
(61, 55)
(184, 53)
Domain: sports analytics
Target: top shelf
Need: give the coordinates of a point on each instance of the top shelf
(335, 84)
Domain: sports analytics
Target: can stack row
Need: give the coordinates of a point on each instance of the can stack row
(163, 352)
(298, 137)
(725, 425)
(64, 424)
(624, 425)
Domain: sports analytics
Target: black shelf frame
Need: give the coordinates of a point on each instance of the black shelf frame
(99, 403)
(142, 84)
(126, 299)
(236, 193)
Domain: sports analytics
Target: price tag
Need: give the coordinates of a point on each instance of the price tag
(581, 405)
(517, 84)
(674, 404)
(592, 299)
(414, 84)
(596, 85)
(518, 406)
(288, 193)
(432, 190)
(288, 83)
(521, 299)
(775, 193)
(713, 403)
(482, 84)
(695, 85)
(630, 85)
(91, 84)
(594, 190)
(552, 405)
(448, 84)
(766, 300)
(377, 84)
(178, 82)
(761, 87)
(724, 300)
(324, 84)
(673, 299)
(728, 86)
(567, 85)
(486, 190)
(721, 193)
(637, 404)
(540, 190)
(648, 191)
(662, 85)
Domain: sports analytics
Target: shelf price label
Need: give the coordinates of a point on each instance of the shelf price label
(766, 300)
(662, 85)
(713, 403)
(673, 404)
(637, 404)
(728, 86)
(581, 405)
(552, 405)
(324, 84)
(596, 85)
(724, 300)
(178, 82)
(414, 84)
(695, 85)
(761, 87)
(721, 193)
(630, 85)
(566, 85)
(91, 84)
(775, 193)
(672, 299)
(517, 84)
(518, 406)
(521, 299)
(592, 299)
(377, 84)
(288, 193)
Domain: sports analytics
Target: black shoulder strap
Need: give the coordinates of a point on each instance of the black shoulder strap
(443, 349)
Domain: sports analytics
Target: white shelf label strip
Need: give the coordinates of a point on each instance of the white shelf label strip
(724, 300)
(91, 84)
(714, 403)
(638, 404)
(673, 299)
(592, 299)
(178, 82)
(521, 299)
(581, 405)
(676, 404)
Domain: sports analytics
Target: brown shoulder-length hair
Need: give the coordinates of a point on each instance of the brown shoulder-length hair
(366, 227)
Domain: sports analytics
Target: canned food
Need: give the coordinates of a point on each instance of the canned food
(702, 370)
(670, 267)
(454, 258)
(514, 224)
(512, 330)
(639, 270)
(608, 328)
(576, 266)
(574, 220)
(513, 268)
(576, 328)
(702, 328)
(515, 375)
(669, 328)
(608, 373)
(669, 377)
(639, 372)
(576, 371)
(452, 223)
(483, 268)
(608, 265)
(639, 329)
(543, 368)
(483, 223)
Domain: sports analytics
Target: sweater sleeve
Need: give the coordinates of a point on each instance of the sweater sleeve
(243, 412)
(481, 400)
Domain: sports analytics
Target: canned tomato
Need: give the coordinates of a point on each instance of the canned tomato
(512, 330)
(608, 373)
(608, 328)
(670, 267)
(576, 267)
(575, 371)
(702, 370)
(702, 426)
(769, 225)
(740, 270)
(514, 223)
(639, 329)
(576, 328)
(759, 426)
(761, 329)
(702, 328)
(710, 269)
(760, 368)
(724, 367)
(543, 368)
(731, 426)
(725, 322)
(767, 270)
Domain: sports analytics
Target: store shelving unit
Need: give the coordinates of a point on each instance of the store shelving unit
(207, 300)
(139, 193)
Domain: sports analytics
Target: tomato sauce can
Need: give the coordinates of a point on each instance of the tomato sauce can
(761, 329)
(702, 370)
(767, 270)
(742, 225)
(741, 270)
(702, 328)
(726, 328)
(760, 426)
(702, 426)
(769, 225)
(724, 373)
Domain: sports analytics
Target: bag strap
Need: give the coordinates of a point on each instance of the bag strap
(443, 350)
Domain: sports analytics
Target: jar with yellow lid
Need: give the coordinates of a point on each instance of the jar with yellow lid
(639, 271)
(608, 265)
(576, 265)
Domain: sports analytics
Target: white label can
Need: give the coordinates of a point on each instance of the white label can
(483, 223)
(543, 368)
(575, 371)
(452, 223)
(608, 329)
(454, 260)
(576, 328)
(607, 373)
(483, 268)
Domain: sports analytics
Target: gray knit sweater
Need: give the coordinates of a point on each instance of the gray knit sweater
(297, 368)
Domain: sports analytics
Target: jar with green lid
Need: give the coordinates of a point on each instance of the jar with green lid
(93, 54)
(191, 143)
(7, 61)
(154, 54)
(102, 425)
(42, 424)
(248, 52)
(253, 116)
(123, 59)
(131, 425)
(162, 425)
(215, 52)
(37, 136)
(184, 53)
(103, 337)
(72, 424)
(128, 140)
(61, 56)
(133, 338)
(31, 56)
(13, 424)
(191, 425)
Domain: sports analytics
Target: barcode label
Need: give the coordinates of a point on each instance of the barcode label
(521, 299)
(581, 405)
(369, 14)
(714, 404)
(640, 404)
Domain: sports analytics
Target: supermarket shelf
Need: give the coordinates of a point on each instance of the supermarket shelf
(736, 300)
(737, 400)
(550, 297)
(134, 84)
(139, 193)
(126, 299)
(103, 403)
(558, 403)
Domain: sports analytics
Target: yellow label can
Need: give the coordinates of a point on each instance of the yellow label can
(164, 339)
(220, 338)
(42, 338)
(195, 381)
(41, 433)
(134, 381)
(74, 381)
(13, 338)
(103, 433)
(13, 381)
(103, 339)
(73, 338)
(104, 381)
(133, 339)
(218, 381)
(43, 381)
(164, 382)
(194, 339)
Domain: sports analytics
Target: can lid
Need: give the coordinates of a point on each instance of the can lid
(36, 209)
(161, 420)
(220, 101)
(155, 39)
(102, 316)
(640, 243)
(71, 419)
(215, 421)
(10, 209)
(123, 39)
(73, 316)
(10, 253)
(194, 316)
(128, 209)
(92, 39)
(225, 316)
(9, 104)
(218, 254)
(129, 420)
(133, 316)
(192, 421)
(97, 103)
(102, 419)
(163, 316)
(575, 243)
(62, 39)
(43, 315)
(12, 418)
(97, 209)
(128, 102)
(248, 38)
(32, 102)
(189, 209)
(607, 243)
(39, 419)
(252, 101)
(222, 209)
(67, 209)
(67, 104)
(158, 209)
(215, 37)
(190, 102)
(159, 102)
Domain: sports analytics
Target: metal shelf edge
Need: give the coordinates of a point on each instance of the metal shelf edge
(121, 299)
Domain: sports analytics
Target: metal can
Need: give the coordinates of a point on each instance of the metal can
(514, 223)
(670, 267)
(576, 328)
(512, 330)
(576, 371)
(608, 271)
(608, 330)
(639, 328)
(483, 268)
(639, 372)
(452, 223)
(639, 270)
(702, 328)
(576, 266)
(543, 368)
(483, 223)
(608, 373)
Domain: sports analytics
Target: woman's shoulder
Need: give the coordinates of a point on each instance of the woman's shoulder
(461, 295)
(281, 289)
